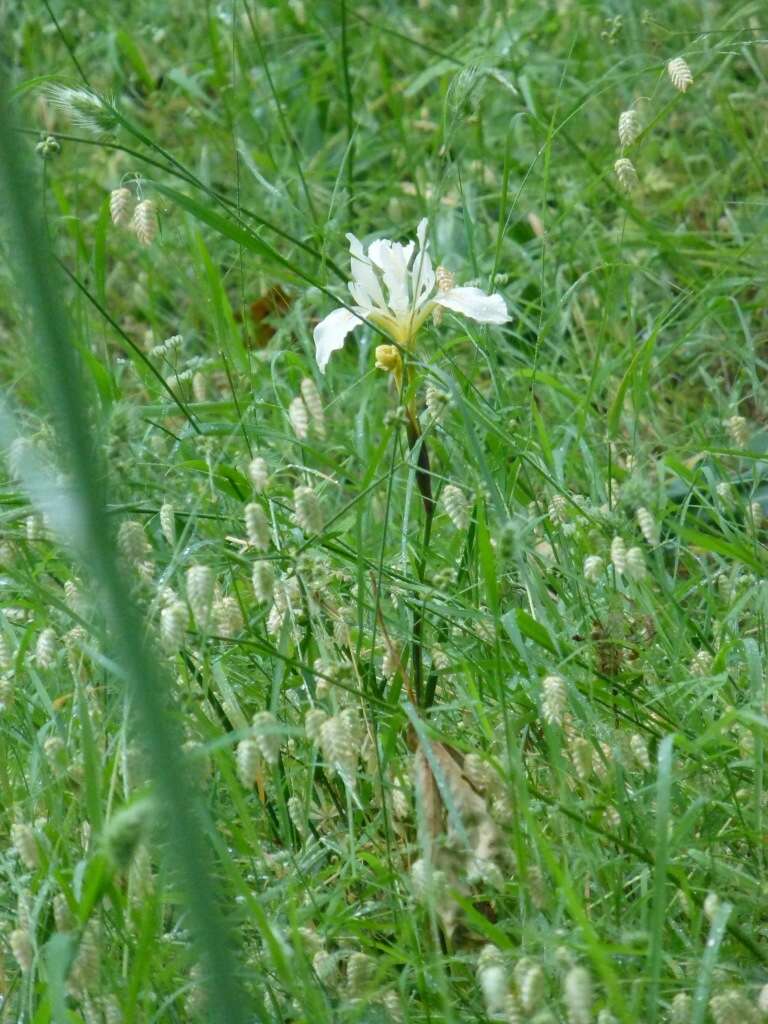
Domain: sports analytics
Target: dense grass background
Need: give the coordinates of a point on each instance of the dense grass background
(165, 857)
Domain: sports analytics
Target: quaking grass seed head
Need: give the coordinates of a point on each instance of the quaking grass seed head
(492, 978)
(456, 505)
(258, 473)
(167, 518)
(737, 429)
(228, 616)
(132, 541)
(24, 842)
(680, 74)
(553, 701)
(125, 831)
(594, 567)
(248, 762)
(307, 511)
(577, 995)
(46, 648)
(635, 564)
(299, 418)
(174, 619)
(22, 948)
(619, 554)
(648, 527)
(629, 127)
(200, 586)
(121, 206)
(144, 222)
(732, 1007)
(532, 987)
(267, 736)
(626, 173)
(257, 526)
(314, 404)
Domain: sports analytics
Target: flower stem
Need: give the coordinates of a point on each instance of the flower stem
(417, 443)
(423, 477)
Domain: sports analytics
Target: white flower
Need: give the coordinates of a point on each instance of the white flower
(394, 287)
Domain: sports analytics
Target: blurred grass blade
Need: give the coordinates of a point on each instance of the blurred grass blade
(180, 816)
(661, 860)
(709, 962)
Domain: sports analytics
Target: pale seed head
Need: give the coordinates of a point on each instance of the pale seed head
(680, 74)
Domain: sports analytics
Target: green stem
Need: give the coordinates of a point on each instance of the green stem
(424, 482)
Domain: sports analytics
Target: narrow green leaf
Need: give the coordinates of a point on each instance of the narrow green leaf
(661, 861)
(530, 628)
(720, 546)
(58, 953)
(709, 962)
(130, 50)
(614, 413)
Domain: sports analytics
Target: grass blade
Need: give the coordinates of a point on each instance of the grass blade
(661, 860)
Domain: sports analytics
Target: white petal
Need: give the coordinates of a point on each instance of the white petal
(474, 303)
(330, 334)
(392, 259)
(365, 286)
(421, 233)
(422, 279)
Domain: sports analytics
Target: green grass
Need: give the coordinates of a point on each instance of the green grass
(163, 857)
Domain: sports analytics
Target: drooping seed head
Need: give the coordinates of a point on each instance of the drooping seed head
(307, 511)
(558, 510)
(25, 844)
(132, 542)
(737, 428)
(257, 526)
(619, 554)
(361, 970)
(648, 527)
(247, 760)
(680, 74)
(314, 720)
(456, 506)
(167, 519)
(200, 586)
(532, 986)
(626, 173)
(299, 418)
(46, 648)
(258, 473)
(635, 564)
(594, 566)
(639, 749)
(629, 127)
(554, 695)
(144, 222)
(228, 616)
(314, 404)
(22, 948)
(577, 995)
(267, 736)
(263, 579)
(701, 664)
(173, 626)
(120, 203)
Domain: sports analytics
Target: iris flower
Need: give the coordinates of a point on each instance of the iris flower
(395, 288)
